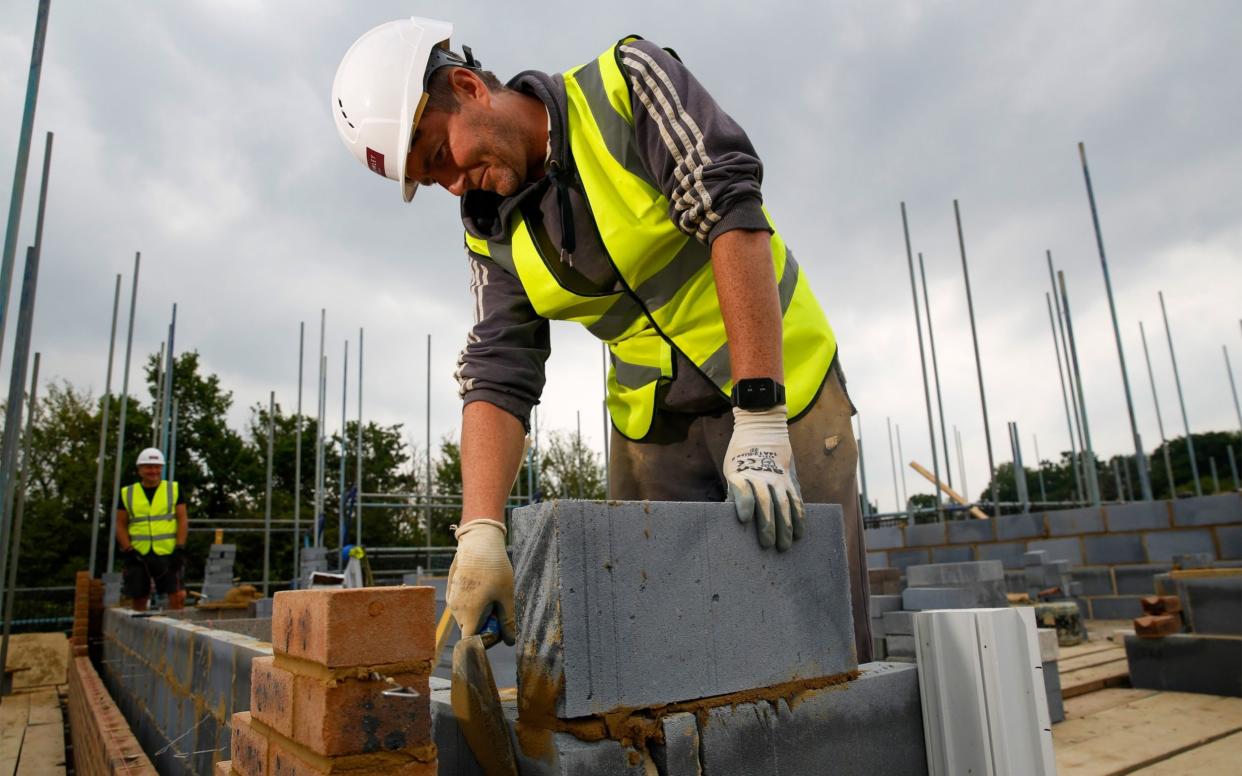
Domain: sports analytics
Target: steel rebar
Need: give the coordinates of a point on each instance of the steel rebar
(974, 336)
(1215, 479)
(1181, 400)
(905, 493)
(22, 483)
(96, 505)
(1093, 483)
(157, 405)
(961, 464)
(297, 462)
(358, 453)
(1069, 423)
(170, 378)
(319, 412)
(931, 341)
(120, 436)
(341, 521)
(267, 498)
(893, 461)
(1043, 493)
(1070, 380)
(1164, 442)
(862, 467)
(918, 330)
(1233, 387)
(1233, 468)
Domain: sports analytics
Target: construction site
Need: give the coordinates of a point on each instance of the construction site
(294, 615)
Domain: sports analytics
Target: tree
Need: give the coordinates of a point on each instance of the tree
(569, 469)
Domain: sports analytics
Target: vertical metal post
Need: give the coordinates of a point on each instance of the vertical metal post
(1124, 466)
(1043, 493)
(342, 524)
(1233, 468)
(169, 378)
(157, 403)
(893, 461)
(297, 465)
(321, 519)
(1069, 376)
(1069, 424)
(22, 483)
(23, 160)
(1164, 442)
(1177, 379)
(918, 330)
(862, 469)
(931, 341)
(319, 412)
(120, 436)
(172, 451)
(1117, 481)
(1233, 387)
(267, 497)
(1093, 483)
(1215, 479)
(427, 485)
(905, 494)
(103, 430)
(961, 464)
(358, 454)
(974, 336)
(1139, 454)
(1019, 468)
(578, 463)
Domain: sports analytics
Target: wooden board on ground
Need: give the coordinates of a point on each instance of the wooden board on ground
(1112, 674)
(1202, 573)
(1095, 702)
(44, 707)
(14, 713)
(1068, 665)
(47, 656)
(1220, 756)
(1143, 732)
(1086, 648)
(43, 750)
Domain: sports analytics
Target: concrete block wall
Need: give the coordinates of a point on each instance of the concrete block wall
(1114, 551)
(177, 683)
(103, 743)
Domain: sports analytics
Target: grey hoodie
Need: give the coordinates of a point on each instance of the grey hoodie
(714, 188)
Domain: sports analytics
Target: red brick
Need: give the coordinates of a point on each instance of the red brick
(223, 768)
(360, 627)
(288, 762)
(1162, 604)
(352, 716)
(1157, 626)
(271, 695)
(250, 747)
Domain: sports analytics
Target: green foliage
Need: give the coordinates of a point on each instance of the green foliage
(569, 469)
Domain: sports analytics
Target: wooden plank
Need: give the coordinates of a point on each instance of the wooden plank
(1220, 756)
(45, 708)
(1202, 573)
(14, 712)
(1116, 673)
(45, 654)
(43, 751)
(1094, 702)
(1087, 661)
(1086, 648)
(1143, 732)
(975, 511)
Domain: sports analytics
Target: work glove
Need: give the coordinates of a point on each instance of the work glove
(130, 553)
(480, 581)
(759, 468)
(178, 558)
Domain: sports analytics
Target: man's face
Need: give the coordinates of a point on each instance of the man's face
(150, 473)
(478, 147)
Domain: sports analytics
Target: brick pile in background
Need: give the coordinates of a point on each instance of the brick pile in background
(102, 741)
(87, 613)
(317, 705)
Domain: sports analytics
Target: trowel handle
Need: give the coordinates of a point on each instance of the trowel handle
(490, 634)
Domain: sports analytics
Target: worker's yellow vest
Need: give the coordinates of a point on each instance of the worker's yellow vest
(152, 524)
(670, 292)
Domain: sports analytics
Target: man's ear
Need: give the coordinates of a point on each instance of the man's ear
(468, 87)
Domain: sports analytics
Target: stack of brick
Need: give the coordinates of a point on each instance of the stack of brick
(218, 576)
(102, 741)
(1162, 616)
(318, 705)
(81, 613)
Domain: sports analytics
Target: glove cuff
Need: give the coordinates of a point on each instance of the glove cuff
(742, 418)
(465, 528)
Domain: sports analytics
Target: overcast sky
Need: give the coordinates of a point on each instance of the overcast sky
(199, 134)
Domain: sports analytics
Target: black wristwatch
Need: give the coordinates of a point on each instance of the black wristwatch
(758, 393)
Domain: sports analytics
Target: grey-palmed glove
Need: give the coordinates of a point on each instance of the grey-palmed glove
(759, 468)
(480, 581)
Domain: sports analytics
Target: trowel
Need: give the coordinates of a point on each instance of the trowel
(476, 703)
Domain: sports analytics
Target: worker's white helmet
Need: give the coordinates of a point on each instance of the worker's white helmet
(380, 91)
(150, 455)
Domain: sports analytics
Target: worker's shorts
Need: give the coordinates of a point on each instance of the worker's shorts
(141, 570)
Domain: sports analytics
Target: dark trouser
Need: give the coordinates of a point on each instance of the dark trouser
(141, 571)
(682, 459)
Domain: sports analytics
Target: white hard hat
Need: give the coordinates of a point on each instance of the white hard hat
(150, 455)
(380, 90)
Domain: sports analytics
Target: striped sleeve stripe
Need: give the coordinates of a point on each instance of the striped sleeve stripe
(478, 282)
(692, 201)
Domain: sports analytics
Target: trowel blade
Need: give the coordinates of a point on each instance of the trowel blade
(476, 704)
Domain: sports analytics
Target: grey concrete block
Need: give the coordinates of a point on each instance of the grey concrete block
(971, 531)
(1213, 605)
(1186, 662)
(1025, 526)
(877, 560)
(1015, 581)
(1163, 545)
(1072, 522)
(112, 588)
(1095, 580)
(870, 725)
(917, 599)
(1222, 509)
(1052, 686)
(899, 623)
(1116, 607)
(926, 534)
(1164, 584)
(1230, 539)
(1060, 549)
(1075, 590)
(179, 654)
(679, 755)
(1137, 516)
(646, 603)
(902, 559)
(884, 603)
(1034, 557)
(1008, 553)
(960, 554)
(1194, 560)
(940, 574)
(263, 608)
(1114, 548)
(1138, 580)
(898, 645)
(878, 650)
(885, 538)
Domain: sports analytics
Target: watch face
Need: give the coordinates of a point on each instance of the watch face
(756, 394)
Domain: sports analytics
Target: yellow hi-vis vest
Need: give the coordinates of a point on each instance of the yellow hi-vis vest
(152, 524)
(669, 297)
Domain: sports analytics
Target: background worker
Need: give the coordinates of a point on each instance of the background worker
(152, 526)
(621, 196)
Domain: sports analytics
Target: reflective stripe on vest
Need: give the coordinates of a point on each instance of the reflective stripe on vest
(152, 524)
(669, 298)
